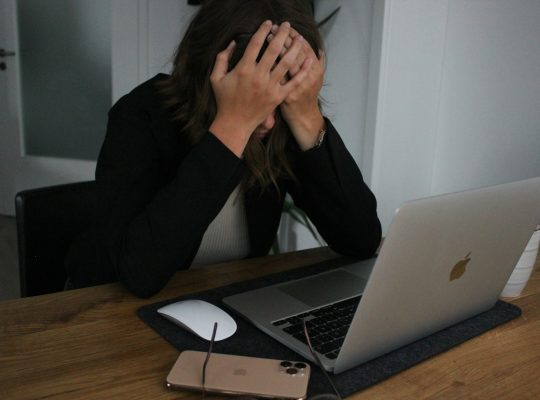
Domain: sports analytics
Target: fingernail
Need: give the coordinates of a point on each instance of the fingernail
(274, 28)
(286, 24)
(270, 37)
(268, 22)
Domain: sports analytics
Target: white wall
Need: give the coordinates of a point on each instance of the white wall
(489, 118)
(174, 16)
(348, 44)
(147, 35)
(456, 98)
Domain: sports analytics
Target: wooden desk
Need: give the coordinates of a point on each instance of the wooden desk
(89, 344)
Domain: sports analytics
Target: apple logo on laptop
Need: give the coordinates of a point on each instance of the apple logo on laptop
(459, 268)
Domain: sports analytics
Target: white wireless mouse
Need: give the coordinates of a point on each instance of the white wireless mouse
(199, 316)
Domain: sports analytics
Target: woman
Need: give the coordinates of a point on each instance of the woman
(195, 166)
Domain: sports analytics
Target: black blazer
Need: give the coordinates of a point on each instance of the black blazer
(157, 195)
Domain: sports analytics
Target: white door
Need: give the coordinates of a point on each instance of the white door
(38, 108)
(52, 111)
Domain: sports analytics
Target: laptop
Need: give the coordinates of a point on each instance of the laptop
(444, 259)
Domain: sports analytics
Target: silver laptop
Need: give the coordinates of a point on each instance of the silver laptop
(444, 259)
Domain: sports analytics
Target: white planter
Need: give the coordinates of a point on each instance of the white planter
(523, 269)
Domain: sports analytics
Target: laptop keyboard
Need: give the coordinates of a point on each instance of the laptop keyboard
(327, 326)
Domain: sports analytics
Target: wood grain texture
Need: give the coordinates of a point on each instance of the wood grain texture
(89, 344)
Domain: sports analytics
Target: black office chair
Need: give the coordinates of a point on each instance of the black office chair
(48, 219)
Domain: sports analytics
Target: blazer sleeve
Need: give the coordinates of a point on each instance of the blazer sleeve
(330, 188)
(153, 221)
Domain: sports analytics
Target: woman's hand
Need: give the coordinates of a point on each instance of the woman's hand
(246, 95)
(300, 109)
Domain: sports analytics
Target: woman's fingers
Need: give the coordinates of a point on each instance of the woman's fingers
(256, 43)
(299, 77)
(288, 41)
(221, 66)
(288, 63)
(306, 51)
(252, 89)
(275, 47)
(287, 44)
(292, 32)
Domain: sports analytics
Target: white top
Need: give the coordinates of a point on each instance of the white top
(227, 237)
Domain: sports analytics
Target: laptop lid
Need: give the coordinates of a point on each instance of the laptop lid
(444, 259)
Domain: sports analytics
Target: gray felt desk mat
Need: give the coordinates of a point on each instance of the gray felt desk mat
(249, 341)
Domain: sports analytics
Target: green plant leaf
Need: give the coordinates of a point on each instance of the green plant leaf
(329, 17)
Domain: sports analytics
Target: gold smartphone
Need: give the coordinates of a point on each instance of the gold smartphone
(239, 375)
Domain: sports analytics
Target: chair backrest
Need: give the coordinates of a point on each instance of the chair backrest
(48, 219)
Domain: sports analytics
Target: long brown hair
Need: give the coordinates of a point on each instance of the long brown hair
(190, 94)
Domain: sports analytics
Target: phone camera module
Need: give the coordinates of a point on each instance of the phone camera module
(300, 365)
(286, 364)
(292, 371)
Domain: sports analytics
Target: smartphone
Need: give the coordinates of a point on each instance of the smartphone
(239, 375)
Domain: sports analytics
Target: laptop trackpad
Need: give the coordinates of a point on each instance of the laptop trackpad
(325, 288)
